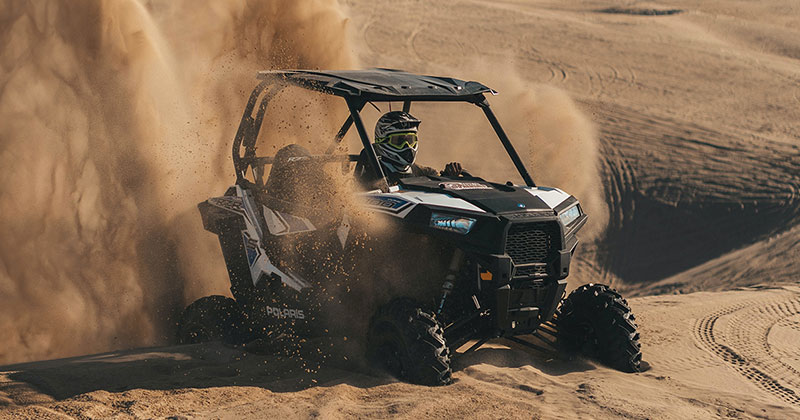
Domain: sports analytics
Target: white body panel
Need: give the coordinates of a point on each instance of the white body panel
(551, 196)
(400, 203)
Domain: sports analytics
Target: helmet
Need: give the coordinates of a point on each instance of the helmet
(396, 140)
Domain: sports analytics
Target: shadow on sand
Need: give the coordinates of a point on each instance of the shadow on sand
(217, 365)
(506, 354)
(190, 366)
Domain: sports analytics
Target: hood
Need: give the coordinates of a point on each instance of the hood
(484, 196)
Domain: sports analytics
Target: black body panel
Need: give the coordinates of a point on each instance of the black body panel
(491, 197)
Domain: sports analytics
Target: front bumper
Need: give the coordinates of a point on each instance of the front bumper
(520, 310)
(531, 281)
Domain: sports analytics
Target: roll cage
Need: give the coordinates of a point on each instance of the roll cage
(357, 87)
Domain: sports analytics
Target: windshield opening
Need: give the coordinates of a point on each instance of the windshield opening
(451, 132)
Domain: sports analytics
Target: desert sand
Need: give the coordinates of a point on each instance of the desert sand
(696, 110)
(713, 355)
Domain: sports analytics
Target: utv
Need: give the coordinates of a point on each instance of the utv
(502, 251)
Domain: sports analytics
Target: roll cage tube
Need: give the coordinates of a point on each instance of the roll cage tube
(250, 126)
(501, 134)
(247, 134)
(343, 130)
(355, 115)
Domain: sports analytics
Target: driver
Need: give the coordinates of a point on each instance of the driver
(396, 145)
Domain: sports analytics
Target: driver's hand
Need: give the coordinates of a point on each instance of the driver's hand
(452, 169)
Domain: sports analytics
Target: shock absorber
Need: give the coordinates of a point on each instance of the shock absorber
(449, 280)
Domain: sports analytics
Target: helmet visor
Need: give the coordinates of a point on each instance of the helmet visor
(400, 140)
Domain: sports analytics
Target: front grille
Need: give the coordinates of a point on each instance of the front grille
(529, 243)
(539, 270)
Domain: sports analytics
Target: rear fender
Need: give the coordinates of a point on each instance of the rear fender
(222, 213)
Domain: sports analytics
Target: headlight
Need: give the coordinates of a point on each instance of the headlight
(570, 215)
(452, 223)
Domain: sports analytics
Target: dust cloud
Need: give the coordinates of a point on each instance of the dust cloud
(115, 120)
(557, 141)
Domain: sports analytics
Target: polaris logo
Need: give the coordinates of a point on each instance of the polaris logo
(285, 313)
(464, 186)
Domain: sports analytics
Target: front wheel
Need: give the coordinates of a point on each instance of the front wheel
(596, 321)
(409, 343)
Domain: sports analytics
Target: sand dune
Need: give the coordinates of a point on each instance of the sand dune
(695, 107)
(681, 194)
(709, 359)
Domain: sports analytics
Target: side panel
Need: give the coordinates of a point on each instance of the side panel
(224, 217)
(275, 300)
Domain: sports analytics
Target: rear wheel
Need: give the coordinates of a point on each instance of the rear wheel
(596, 321)
(211, 318)
(409, 343)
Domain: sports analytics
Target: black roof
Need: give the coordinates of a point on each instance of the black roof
(382, 85)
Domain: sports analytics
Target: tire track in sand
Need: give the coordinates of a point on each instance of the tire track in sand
(680, 194)
(738, 334)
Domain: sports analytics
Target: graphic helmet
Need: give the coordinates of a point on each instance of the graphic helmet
(396, 140)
